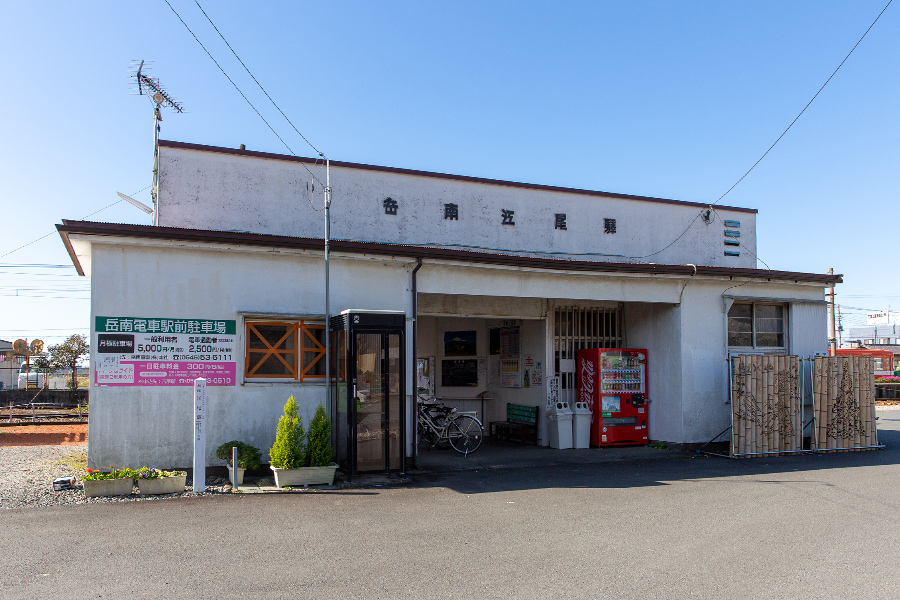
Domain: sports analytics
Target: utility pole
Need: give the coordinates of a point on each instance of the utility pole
(840, 327)
(832, 338)
(327, 286)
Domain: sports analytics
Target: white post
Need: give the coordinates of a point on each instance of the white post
(200, 435)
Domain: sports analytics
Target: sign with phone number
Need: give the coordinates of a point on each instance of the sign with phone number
(164, 352)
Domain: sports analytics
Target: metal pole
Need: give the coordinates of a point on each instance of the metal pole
(234, 467)
(731, 445)
(832, 338)
(155, 189)
(801, 362)
(327, 287)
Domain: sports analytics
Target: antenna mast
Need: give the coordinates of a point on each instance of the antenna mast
(160, 97)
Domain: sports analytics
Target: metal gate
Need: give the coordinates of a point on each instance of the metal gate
(576, 328)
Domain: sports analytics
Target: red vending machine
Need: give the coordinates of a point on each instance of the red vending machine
(613, 383)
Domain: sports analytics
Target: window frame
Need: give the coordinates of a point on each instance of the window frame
(301, 330)
(754, 328)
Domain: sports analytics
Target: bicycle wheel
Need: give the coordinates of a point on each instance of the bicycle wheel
(439, 441)
(465, 434)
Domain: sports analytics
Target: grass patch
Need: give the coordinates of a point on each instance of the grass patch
(76, 461)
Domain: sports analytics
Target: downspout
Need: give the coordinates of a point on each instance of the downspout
(415, 364)
(686, 282)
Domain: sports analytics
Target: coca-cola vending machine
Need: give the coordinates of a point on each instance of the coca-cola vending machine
(613, 382)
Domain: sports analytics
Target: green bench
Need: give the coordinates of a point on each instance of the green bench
(520, 425)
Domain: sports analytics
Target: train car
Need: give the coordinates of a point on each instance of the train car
(884, 359)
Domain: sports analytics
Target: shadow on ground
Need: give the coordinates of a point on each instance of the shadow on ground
(501, 469)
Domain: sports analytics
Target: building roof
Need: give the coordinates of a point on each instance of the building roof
(177, 234)
(529, 186)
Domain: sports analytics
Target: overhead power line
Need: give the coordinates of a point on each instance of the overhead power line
(82, 218)
(807, 104)
(316, 150)
(244, 96)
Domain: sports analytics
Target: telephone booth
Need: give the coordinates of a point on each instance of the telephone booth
(368, 391)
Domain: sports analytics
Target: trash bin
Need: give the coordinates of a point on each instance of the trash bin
(581, 425)
(559, 425)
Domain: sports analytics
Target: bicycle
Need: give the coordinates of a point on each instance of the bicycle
(441, 426)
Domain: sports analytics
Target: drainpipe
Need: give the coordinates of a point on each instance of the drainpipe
(415, 362)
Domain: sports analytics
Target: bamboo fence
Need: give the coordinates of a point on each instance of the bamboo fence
(843, 403)
(767, 408)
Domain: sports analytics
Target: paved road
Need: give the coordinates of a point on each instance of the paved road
(793, 527)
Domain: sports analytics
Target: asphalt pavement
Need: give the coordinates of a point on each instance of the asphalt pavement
(666, 526)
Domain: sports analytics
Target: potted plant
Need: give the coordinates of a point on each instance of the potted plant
(156, 481)
(319, 452)
(248, 458)
(295, 462)
(117, 482)
(286, 454)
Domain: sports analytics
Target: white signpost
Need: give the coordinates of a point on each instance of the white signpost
(200, 435)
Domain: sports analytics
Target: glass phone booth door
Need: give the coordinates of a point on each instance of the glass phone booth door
(369, 391)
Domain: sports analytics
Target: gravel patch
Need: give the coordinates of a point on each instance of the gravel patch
(27, 474)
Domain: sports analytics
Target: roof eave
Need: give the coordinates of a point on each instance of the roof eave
(262, 240)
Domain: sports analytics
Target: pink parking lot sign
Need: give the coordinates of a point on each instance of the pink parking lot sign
(158, 351)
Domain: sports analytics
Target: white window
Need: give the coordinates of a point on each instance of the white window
(756, 325)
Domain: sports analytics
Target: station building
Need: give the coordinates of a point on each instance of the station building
(495, 286)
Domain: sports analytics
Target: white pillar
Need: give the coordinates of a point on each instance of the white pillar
(200, 434)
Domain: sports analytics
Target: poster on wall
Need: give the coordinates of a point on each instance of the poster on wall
(460, 343)
(157, 351)
(509, 372)
(537, 375)
(552, 391)
(510, 367)
(529, 369)
(424, 376)
(459, 373)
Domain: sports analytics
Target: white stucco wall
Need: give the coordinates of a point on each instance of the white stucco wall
(134, 426)
(214, 190)
(680, 320)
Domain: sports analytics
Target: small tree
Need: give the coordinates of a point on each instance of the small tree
(287, 452)
(68, 355)
(319, 452)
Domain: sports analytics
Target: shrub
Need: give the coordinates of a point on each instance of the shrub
(94, 474)
(248, 456)
(318, 450)
(154, 473)
(287, 452)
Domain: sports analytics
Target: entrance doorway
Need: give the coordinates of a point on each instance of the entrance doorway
(369, 391)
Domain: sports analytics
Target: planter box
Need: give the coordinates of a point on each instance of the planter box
(107, 487)
(304, 476)
(161, 485)
(239, 479)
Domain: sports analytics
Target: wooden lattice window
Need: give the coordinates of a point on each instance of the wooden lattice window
(285, 350)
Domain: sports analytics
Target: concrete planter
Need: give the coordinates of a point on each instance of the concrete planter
(161, 485)
(237, 478)
(304, 476)
(107, 487)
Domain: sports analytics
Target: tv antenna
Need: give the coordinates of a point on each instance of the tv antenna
(151, 87)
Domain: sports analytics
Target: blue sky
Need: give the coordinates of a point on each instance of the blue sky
(667, 99)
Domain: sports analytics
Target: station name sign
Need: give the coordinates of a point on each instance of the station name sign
(157, 351)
